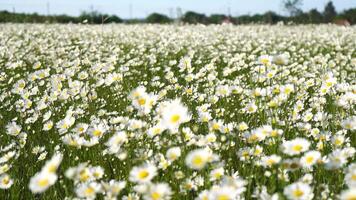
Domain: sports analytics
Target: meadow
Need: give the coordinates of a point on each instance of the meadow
(159, 112)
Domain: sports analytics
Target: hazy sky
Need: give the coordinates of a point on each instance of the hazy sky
(141, 8)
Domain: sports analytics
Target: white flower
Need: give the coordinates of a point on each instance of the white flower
(88, 190)
(349, 123)
(5, 181)
(115, 142)
(160, 191)
(350, 177)
(310, 158)
(173, 114)
(269, 161)
(349, 194)
(173, 153)
(336, 159)
(13, 129)
(143, 174)
(298, 191)
(143, 101)
(52, 165)
(296, 146)
(113, 188)
(156, 130)
(216, 174)
(197, 159)
(97, 130)
(265, 60)
(42, 181)
(224, 192)
(281, 59)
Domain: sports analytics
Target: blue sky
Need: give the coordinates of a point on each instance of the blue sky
(141, 8)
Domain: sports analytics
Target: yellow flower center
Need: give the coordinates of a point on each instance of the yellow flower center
(264, 61)
(298, 193)
(5, 181)
(52, 168)
(353, 177)
(142, 101)
(198, 161)
(143, 174)
(97, 133)
(84, 176)
(43, 182)
(156, 131)
(353, 197)
(309, 159)
(175, 118)
(223, 197)
(155, 195)
(216, 126)
(89, 191)
(297, 148)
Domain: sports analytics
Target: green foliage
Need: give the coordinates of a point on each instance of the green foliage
(329, 12)
(91, 17)
(217, 18)
(349, 15)
(156, 18)
(194, 18)
(315, 17)
(297, 17)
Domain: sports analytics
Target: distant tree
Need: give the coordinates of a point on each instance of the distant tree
(315, 17)
(156, 18)
(271, 17)
(301, 18)
(349, 15)
(95, 17)
(194, 18)
(216, 18)
(329, 12)
(113, 19)
(248, 19)
(292, 6)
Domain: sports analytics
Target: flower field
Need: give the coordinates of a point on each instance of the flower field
(158, 112)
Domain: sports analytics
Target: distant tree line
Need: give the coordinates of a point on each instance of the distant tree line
(85, 17)
(297, 16)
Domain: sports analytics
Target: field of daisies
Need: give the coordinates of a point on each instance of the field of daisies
(158, 112)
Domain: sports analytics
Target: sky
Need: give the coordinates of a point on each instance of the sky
(142, 8)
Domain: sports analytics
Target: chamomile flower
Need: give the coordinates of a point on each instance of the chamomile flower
(222, 192)
(349, 124)
(216, 174)
(13, 128)
(88, 190)
(265, 60)
(310, 158)
(52, 165)
(40, 182)
(197, 159)
(143, 174)
(349, 194)
(350, 177)
(115, 142)
(97, 130)
(5, 181)
(159, 191)
(113, 188)
(173, 114)
(269, 161)
(173, 153)
(295, 146)
(298, 191)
